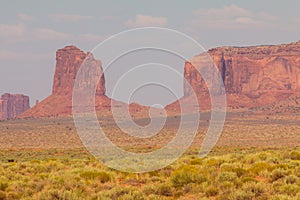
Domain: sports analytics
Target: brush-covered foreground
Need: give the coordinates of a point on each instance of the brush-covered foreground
(227, 173)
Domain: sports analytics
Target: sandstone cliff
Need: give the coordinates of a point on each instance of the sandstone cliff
(68, 62)
(12, 105)
(252, 76)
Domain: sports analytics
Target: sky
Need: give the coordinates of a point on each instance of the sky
(31, 31)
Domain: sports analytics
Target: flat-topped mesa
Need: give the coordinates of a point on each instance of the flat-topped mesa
(12, 105)
(68, 61)
(270, 71)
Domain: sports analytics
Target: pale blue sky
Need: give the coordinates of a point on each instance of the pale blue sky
(31, 31)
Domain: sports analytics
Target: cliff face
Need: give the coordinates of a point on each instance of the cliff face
(68, 62)
(13, 105)
(252, 76)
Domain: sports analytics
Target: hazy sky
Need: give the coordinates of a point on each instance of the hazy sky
(31, 31)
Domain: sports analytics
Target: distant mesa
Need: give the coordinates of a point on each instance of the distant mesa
(12, 105)
(252, 76)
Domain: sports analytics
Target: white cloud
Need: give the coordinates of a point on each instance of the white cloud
(231, 16)
(25, 17)
(12, 31)
(69, 18)
(226, 11)
(49, 34)
(144, 20)
(245, 20)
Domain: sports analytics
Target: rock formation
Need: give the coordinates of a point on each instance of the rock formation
(12, 105)
(68, 62)
(252, 76)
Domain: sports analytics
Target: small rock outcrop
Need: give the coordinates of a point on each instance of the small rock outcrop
(12, 105)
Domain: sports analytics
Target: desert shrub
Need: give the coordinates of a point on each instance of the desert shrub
(262, 156)
(248, 179)
(3, 185)
(50, 195)
(164, 190)
(257, 189)
(149, 189)
(227, 176)
(295, 155)
(277, 174)
(243, 195)
(188, 188)
(155, 179)
(226, 167)
(281, 166)
(135, 195)
(2, 195)
(211, 191)
(226, 186)
(281, 197)
(290, 189)
(196, 161)
(291, 179)
(259, 167)
(102, 176)
(240, 171)
(186, 175)
(13, 196)
(214, 162)
(117, 193)
(161, 189)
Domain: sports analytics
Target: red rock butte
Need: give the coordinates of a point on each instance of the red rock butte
(68, 62)
(12, 105)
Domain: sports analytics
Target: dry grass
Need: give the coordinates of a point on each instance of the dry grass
(257, 157)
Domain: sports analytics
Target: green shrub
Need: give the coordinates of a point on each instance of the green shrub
(240, 171)
(290, 189)
(227, 176)
(102, 176)
(243, 195)
(211, 191)
(248, 179)
(277, 174)
(3, 185)
(196, 161)
(186, 175)
(214, 162)
(259, 167)
(226, 186)
(281, 197)
(257, 189)
(295, 155)
(291, 179)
